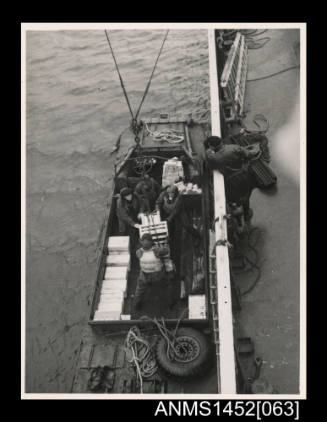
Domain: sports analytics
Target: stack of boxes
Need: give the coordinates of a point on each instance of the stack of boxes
(172, 171)
(114, 285)
(197, 306)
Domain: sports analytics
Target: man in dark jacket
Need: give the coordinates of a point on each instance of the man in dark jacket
(128, 209)
(147, 190)
(233, 162)
(169, 203)
(228, 159)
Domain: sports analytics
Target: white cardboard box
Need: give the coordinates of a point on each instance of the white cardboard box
(112, 296)
(116, 273)
(106, 316)
(125, 317)
(197, 306)
(118, 243)
(110, 307)
(121, 259)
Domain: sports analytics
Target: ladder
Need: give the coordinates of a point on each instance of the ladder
(214, 298)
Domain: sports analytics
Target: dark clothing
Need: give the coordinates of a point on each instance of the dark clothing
(169, 210)
(228, 159)
(147, 191)
(232, 161)
(147, 278)
(127, 213)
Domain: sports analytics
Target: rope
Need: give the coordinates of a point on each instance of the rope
(168, 335)
(255, 120)
(142, 357)
(120, 77)
(255, 45)
(171, 136)
(273, 74)
(135, 126)
(149, 83)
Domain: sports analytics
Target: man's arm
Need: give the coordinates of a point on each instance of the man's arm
(161, 251)
(248, 152)
(123, 215)
(159, 201)
(177, 207)
(139, 253)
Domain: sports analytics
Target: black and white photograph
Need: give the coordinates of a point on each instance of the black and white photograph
(163, 247)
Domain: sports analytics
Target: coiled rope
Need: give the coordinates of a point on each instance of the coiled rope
(142, 356)
(171, 136)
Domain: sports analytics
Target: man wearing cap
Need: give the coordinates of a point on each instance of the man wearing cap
(128, 209)
(233, 162)
(155, 267)
(169, 203)
(147, 190)
(227, 158)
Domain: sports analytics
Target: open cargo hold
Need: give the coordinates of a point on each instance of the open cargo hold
(119, 267)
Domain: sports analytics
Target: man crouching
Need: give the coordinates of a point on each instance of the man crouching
(155, 267)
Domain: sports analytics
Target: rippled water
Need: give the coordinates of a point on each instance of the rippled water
(75, 111)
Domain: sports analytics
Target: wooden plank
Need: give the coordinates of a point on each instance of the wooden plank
(226, 365)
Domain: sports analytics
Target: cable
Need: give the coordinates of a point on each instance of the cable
(273, 74)
(120, 77)
(134, 119)
(154, 67)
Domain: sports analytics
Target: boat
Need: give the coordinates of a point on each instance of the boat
(199, 327)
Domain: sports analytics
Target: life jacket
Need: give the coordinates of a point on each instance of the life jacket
(149, 263)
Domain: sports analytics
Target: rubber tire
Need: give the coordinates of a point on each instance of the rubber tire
(189, 369)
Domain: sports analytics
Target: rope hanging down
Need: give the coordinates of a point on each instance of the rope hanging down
(134, 118)
(120, 77)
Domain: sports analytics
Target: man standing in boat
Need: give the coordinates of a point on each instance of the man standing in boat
(128, 209)
(170, 205)
(147, 190)
(155, 267)
(233, 162)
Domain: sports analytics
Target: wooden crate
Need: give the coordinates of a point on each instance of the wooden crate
(158, 231)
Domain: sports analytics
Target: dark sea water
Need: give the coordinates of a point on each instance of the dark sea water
(75, 111)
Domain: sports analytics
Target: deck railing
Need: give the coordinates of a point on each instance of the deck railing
(221, 297)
